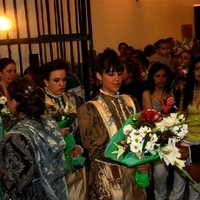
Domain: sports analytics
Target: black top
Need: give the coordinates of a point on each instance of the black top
(135, 88)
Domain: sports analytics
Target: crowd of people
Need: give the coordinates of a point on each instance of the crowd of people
(42, 159)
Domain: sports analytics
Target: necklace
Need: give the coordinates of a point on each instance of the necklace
(56, 99)
(112, 95)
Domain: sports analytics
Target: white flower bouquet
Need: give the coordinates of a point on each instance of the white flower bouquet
(148, 136)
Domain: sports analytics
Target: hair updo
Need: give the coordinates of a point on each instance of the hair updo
(30, 97)
(4, 62)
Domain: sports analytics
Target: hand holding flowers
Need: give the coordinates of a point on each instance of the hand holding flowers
(59, 114)
(73, 152)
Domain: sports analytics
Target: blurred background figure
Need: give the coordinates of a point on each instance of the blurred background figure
(161, 53)
(131, 84)
(171, 43)
(7, 74)
(149, 50)
(73, 82)
(128, 52)
(121, 48)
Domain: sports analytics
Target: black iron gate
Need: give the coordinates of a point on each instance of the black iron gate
(46, 30)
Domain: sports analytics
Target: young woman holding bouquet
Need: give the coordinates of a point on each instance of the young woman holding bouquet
(189, 105)
(54, 75)
(99, 119)
(32, 164)
(158, 93)
(7, 74)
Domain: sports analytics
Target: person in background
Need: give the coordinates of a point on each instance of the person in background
(128, 52)
(55, 79)
(73, 82)
(195, 49)
(33, 164)
(94, 83)
(149, 50)
(130, 83)
(184, 61)
(171, 43)
(162, 53)
(189, 106)
(141, 60)
(7, 74)
(121, 48)
(108, 180)
(159, 89)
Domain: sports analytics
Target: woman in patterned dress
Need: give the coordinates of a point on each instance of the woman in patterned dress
(33, 164)
(55, 79)
(98, 120)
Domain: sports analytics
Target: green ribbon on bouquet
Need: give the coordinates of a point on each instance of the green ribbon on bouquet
(71, 162)
(62, 123)
(128, 158)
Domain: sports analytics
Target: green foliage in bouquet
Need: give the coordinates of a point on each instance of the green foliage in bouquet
(7, 118)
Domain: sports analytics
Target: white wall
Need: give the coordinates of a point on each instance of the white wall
(138, 23)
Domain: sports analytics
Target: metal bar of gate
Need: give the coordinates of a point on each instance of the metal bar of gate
(83, 29)
(92, 66)
(78, 30)
(70, 32)
(43, 29)
(27, 24)
(56, 19)
(38, 30)
(18, 36)
(7, 35)
(59, 26)
(49, 27)
(63, 29)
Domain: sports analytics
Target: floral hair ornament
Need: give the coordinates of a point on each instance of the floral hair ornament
(29, 90)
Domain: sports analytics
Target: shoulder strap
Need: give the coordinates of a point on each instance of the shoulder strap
(106, 117)
(129, 101)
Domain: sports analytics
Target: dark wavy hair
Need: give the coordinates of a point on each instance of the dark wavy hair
(190, 83)
(30, 97)
(154, 69)
(49, 67)
(6, 61)
(109, 62)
